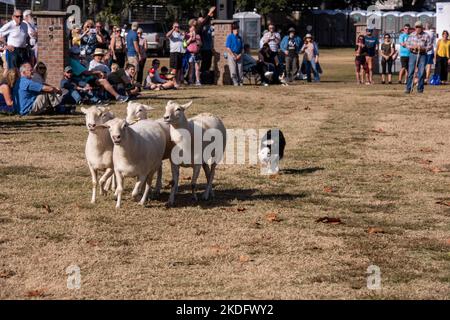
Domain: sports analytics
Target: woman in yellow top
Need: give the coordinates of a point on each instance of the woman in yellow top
(442, 57)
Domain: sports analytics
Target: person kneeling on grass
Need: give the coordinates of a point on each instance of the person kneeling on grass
(33, 98)
(154, 80)
(123, 80)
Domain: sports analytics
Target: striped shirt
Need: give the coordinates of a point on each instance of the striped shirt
(422, 40)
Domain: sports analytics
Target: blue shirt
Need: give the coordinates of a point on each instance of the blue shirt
(234, 43)
(371, 43)
(132, 37)
(25, 92)
(404, 51)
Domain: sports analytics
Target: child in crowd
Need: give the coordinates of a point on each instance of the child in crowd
(154, 80)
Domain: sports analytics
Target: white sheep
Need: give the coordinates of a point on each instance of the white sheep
(138, 111)
(99, 147)
(193, 147)
(138, 152)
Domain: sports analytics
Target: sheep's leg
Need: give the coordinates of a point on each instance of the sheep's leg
(138, 187)
(207, 172)
(94, 183)
(174, 190)
(195, 175)
(119, 188)
(108, 184)
(209, 190)
(158, 182)
(148, 187)
(109, 172)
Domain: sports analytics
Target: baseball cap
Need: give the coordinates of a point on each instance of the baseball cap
(68, 69)
(418, 24)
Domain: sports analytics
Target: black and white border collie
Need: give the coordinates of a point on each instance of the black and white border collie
(271, 151)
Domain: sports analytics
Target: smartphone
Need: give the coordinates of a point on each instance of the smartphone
(93, 31)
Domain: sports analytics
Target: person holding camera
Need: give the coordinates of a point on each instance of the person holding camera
(418, 43)
(89, 39)
(272, 38)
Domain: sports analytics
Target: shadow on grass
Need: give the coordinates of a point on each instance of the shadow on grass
(41, 122)
(301, 171)
(226, 197)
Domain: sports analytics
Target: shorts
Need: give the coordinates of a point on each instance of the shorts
(430, 58)
(361, 63)
(405, 62)
(176, 60)
(195, 58)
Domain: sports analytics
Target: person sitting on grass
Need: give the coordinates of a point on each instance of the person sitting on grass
(40, 72)
(249, 63)
(268, 65)
(33, 98)
(77, 91)
(94, 78)
(154, 81)
(98, 64)
(123, 80)
(6, 88)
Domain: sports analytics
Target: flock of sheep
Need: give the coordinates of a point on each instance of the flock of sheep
(136, 147)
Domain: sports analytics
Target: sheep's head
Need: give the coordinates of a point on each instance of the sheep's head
(175, 112)
(137, 111)
(96, 116)
(117, 129)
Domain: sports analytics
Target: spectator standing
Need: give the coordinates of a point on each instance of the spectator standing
(177, 50)
(442, 57)
(194, 43)
(404, 53)
(33, 34)
(6, 90)
(206, 32)
(234, 46)
(118, 47)
(273, 38)
(75, 36)
(430, 54)
(419, 43)
(33, 98)
(360, 60)
(291, 45)
(143, 47)
(89, 39)
(18, 41)
(311, 58)
(103, 37)
(387, 51)
(133, 52)
(372, 45)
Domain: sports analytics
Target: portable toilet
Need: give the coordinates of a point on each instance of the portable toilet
(442, 17)
(358, 16)
(409, 17)
(391, 22)
(427, 19)
(323, 25)
(339, 19)
(250, 27)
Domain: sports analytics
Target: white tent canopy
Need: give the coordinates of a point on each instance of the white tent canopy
(11, 2)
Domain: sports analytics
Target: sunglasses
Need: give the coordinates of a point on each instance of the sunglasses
(177, 27)
(18, 16)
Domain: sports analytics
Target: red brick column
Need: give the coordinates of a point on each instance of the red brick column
(52, 43)
(222, 28)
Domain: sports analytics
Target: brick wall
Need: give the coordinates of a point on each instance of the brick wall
(222, 28)
(52, 44)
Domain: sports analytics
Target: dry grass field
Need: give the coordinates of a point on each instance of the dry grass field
(371, 156)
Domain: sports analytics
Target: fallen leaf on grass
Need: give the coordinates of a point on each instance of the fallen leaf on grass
(92, 243)
(244, 259)
(437, 170)
(444, 203)
(448, 242)
(35, 293)
(217, 249)
(241, 209)
(426, 150)
(47, 208)
(7, 274)
(307, 108)
(425, 161)
(379, 130)
(274, 176)
(373, 230)
(328, 189)
(330, 220)
(390, 176)
(273, 217)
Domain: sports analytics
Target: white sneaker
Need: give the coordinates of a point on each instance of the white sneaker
(198, 83)
(269, 75)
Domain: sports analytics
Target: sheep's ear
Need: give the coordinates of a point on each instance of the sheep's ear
(187, 105)
(103, 109)
(148, 108)
(84, 110)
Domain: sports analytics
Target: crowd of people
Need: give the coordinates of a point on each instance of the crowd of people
(418, 52)
(111, 65)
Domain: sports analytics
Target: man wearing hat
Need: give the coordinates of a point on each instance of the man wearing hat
(133, 52)
(291, 45)
(372, 44)
(418, 43)
(97, 63)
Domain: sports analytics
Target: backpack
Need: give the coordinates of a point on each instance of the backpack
(435, 80)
